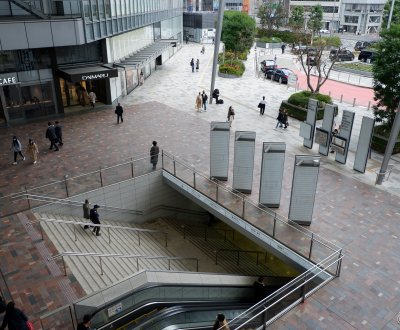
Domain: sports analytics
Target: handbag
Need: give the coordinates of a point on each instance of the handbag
(259, 105)
(29, 325)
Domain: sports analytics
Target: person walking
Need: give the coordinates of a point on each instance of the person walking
(33, 150)
(16, 147)
(14, 318)
(231, 115)
(197, 65)
(141, 78)
(51, 135)
(95, 218)
(92, 98)
(154, 151)
(86, 323)
(261, 105)
(58, 131)
(198, 102)
(220, 323)
(283, 48)
(285, 119)
(187, 39)
(86, 212)
(119, 111)
(279, 119)
(204, 99)
(203, 50)
(192, 64)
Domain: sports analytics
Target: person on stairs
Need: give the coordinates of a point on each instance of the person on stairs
(95, 218)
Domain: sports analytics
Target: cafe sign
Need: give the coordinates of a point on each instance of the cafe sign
(8, 80)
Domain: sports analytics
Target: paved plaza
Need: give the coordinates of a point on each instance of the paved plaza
(349, 209)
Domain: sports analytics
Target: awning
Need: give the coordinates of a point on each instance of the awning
(147, 54)
(95, 72)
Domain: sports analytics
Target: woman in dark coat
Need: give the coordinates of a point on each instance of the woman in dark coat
(14, 318)
(154, 151)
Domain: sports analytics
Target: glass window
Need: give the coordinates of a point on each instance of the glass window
(107, 8)
(101, 9)
(86, 9)
(7, 61)
(95, 10)
(118, 7)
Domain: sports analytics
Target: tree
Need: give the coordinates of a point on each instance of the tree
(296, 20)
(395, 16)
(238, 30)
(386, 71)
(314, 61)
(271, 15)
(315, 20)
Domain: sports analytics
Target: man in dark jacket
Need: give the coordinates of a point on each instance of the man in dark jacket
(119, 111)
(14, 318)
(58, 131)
(95, 218)
(204, 99)
(51, 135)
(154, 151)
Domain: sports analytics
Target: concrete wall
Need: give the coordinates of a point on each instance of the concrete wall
(142, 193)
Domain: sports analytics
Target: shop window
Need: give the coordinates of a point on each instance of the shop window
(7, 62)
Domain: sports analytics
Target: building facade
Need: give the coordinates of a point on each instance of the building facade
(53, 54)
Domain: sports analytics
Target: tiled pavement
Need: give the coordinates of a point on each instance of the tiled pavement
(349, 210)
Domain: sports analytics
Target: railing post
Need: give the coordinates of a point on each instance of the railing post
(169, 264)
(205, 234)
(27, 196)
(138, 236)
(137, 263)
(244, 202)
(257, 258)
(273, 229)
(303, 291)
(72, 316)
(101, 177)
(216, 257)
(184, 231)
(216, 197)
(174, 168)
(194, 179)
(65, 268)
(238, 256)
(339, 264)
(101, 267)
(264, 320)
(132, 167)
(66, 185)
(197, 265)
(41, 229)
(311, 246)
(109, 236)
(166, 239)
(162, 158)
(225, 235)
(76, 238)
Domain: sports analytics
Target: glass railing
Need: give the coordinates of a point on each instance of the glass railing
(71, 186)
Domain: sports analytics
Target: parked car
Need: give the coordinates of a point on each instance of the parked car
(367, 55)
(311, 60)
(304, 49)
(281, 75)
(341, 55)
(267, 65)
(360, 45)
(323, 31)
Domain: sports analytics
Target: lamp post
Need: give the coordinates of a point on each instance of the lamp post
(390, 15)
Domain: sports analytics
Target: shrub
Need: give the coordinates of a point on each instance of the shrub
(380, 139)
(301, 99)
(235, 67)
(270, 40)
(230, 56)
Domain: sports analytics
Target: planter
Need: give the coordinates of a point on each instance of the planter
(229, 76)
(298, 112)
(268, 45)
(379, 143)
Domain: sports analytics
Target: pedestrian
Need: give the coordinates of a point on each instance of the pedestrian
(204, 99)
(333, 135)
(51, 135)
(215, 95)
(154, 151)
(119, 111)
(86, 323)
(197, 65)
(285, 119)
(192, 64)
(203, 50)
(279, 119)
(14, 318)
(283, 48)
(95, 218)
(220, 323)
(261, 105)
(86, 212)
(92, 98)
(33, 150)
(187, 39)
(198, 102)
(58, 131)
(141, 78)
(16, 147)
(231, 115)
(259, 289)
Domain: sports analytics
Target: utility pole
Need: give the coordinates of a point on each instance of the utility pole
(394, 133)
(390, 15)
(217, 41)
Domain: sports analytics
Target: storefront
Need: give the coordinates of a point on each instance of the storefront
(75, 85)
(26, 95)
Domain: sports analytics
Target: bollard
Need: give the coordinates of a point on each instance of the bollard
(354, 102)
(369, 105)
(329, 93)
(341, 98)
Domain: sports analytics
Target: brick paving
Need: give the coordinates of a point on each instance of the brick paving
(349, 210)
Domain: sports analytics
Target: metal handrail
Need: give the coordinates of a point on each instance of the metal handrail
(118, 255)
(238, 254)
(77, 203)
(91, 224)
(206, 228)
(278, 217)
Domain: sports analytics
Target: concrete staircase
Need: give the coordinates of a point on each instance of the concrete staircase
(87, 269)
(195, 236)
